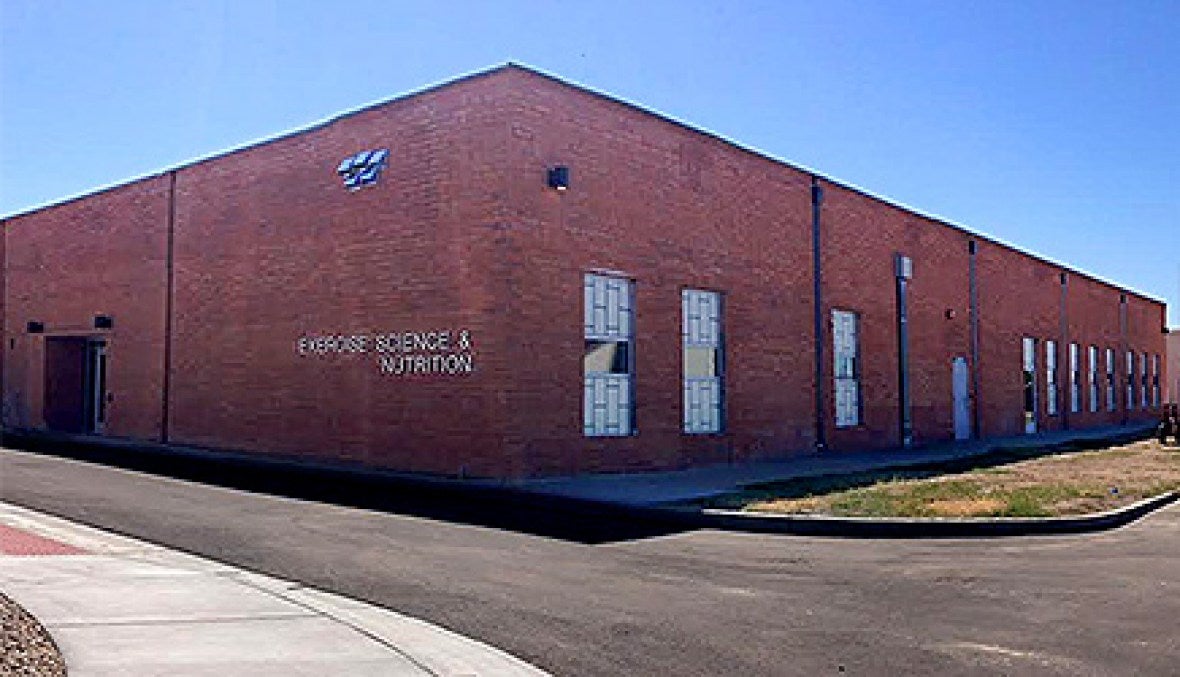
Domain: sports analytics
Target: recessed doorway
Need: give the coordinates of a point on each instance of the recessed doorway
(75, 384)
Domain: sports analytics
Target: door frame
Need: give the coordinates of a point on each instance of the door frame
(94, 386)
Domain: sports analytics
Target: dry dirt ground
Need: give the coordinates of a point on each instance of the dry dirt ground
(1064, 484)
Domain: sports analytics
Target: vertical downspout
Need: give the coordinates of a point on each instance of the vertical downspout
(903, 271)
(169, 287)
(1065, 404)
(976, 424)
(817, 199)
(1123, 349)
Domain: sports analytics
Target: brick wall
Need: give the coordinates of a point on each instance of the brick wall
(461, 233)
(861, 238)
(1145, 334)
(669, 208)
(103, 254)
(270, 247)
(1093, 320)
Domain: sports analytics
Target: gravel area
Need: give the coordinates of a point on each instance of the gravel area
(25, 646)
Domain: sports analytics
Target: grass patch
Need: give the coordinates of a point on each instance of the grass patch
(1009, 483)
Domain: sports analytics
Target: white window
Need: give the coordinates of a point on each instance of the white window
(1029, 379)
(1075, 380)
(846, 358)
(1051, 378)
(1143, 401)
(1093, 379)
(608, 363)
(704, 360)
(1110, 403)
(1130, 380)
(1155, 381)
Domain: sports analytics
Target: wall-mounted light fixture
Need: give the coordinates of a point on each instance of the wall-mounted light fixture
(559, 177)
(104, 322)
(36, 327)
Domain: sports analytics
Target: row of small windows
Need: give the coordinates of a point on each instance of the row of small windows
(1142, 378)
(608, 365)
(608, 361)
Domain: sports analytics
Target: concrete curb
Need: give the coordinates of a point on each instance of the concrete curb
(870, 527)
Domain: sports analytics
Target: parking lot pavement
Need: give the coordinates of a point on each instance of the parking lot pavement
(683, 602)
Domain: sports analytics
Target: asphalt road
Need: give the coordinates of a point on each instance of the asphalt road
(652, 602)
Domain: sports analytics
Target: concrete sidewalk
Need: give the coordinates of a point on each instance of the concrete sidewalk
(654, 488)
(119, 606)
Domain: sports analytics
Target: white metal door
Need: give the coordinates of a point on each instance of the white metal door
(962, 398)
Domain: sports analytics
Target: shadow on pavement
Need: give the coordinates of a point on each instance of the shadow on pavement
(451, 500)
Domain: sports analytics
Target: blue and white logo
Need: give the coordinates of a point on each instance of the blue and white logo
(363, 168)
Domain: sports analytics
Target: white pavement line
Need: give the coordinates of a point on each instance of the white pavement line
(133, 607)
(1045, 661)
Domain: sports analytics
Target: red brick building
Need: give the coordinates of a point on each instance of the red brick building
(543, 280)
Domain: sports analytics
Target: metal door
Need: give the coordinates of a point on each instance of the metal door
(96, 386)
(961, 398)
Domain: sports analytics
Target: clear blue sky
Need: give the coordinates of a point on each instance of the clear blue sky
(1051, 125)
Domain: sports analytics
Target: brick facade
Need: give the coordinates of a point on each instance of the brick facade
(213, 272)
(101, 255)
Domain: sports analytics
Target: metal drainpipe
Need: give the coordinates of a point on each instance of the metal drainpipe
(903, 271)
(170, 283)
(1065, 404)
(817, 200)
(1123, 349)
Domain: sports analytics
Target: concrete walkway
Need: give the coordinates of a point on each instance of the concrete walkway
(653, 488)
(119, 606)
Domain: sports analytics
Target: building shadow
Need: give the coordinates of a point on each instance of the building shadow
(471, 502)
